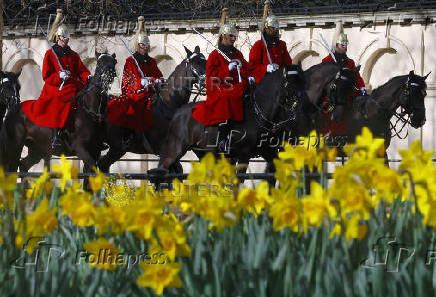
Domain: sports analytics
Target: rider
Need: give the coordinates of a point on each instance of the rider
(132, 108)
(340, 52)
(225, 85)
(51, 109)
(278, 52)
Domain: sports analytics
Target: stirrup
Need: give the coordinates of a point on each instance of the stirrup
(56, 143)
(223, 146)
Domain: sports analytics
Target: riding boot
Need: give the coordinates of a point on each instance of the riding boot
(56, 138)
(223, 137)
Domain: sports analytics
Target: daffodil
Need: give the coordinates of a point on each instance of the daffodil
(65, 170)
(286, 212)
(160, 276)
(97, 182)
(353, 229)
(103, 254)
(316, 207)
(366, 146)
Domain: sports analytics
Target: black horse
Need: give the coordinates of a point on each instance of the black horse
(325, 79)
(377, 110)
(9, 92)
(174, 94)
(84, 132)
(267, 110)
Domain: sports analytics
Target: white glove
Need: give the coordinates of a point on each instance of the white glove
(272, 67)
(145, 82)
(64, 75)
(251, 80)
(363, 91)
(233, 65)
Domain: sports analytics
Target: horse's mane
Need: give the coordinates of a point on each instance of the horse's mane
(316, 67)
(376, 92)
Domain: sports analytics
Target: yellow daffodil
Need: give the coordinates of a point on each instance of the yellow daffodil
(160, 276)
(97, 182)
(353, 229)
(65, 171)
(103, 254)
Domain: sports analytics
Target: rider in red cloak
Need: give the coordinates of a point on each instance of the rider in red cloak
(225, 85)
(51, 109)
(259, 62)
(132, 109)
(333, 127)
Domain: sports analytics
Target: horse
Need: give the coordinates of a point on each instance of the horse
(84, 140)
(9, 92)
(324, 79)
(376, 110)
(164, 104)
(268, 108)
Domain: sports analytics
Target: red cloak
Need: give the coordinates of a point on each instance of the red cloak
(132, 109)
(50, 109)
(259, 59)
(224, 91)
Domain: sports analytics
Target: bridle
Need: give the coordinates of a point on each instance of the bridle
(199, 84)
(403, 117)
(332, 90)
(102, 82)
(272, 126)
(10, 101)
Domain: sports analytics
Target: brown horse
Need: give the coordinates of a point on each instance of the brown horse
(172, 96)
(84, 139)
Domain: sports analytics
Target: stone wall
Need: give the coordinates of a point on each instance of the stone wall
(386, 44)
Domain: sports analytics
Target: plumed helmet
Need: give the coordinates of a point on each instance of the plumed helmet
(62, 31)
(342, 39)
(143, 38)
(228, 28)
(272, 21)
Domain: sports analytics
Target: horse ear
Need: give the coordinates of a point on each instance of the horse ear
(197, 49)
(188, 52)
(411, 73)
(357, 69)
(114, 55)
(425, 77)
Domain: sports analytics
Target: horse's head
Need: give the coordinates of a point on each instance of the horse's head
(277, 96)
(196, 67)
(105, 70)
(412, 98)
(339, 91)
(94, 97)
(9, 88)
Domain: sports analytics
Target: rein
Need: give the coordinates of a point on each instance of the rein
(264, 122)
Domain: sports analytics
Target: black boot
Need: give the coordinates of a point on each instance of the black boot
(127, 139)
(223, 138)
(56, 139)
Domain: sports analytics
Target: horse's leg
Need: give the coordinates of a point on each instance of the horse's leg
(269, 156)
(105, 162)
(32, 158)
(12, 141)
